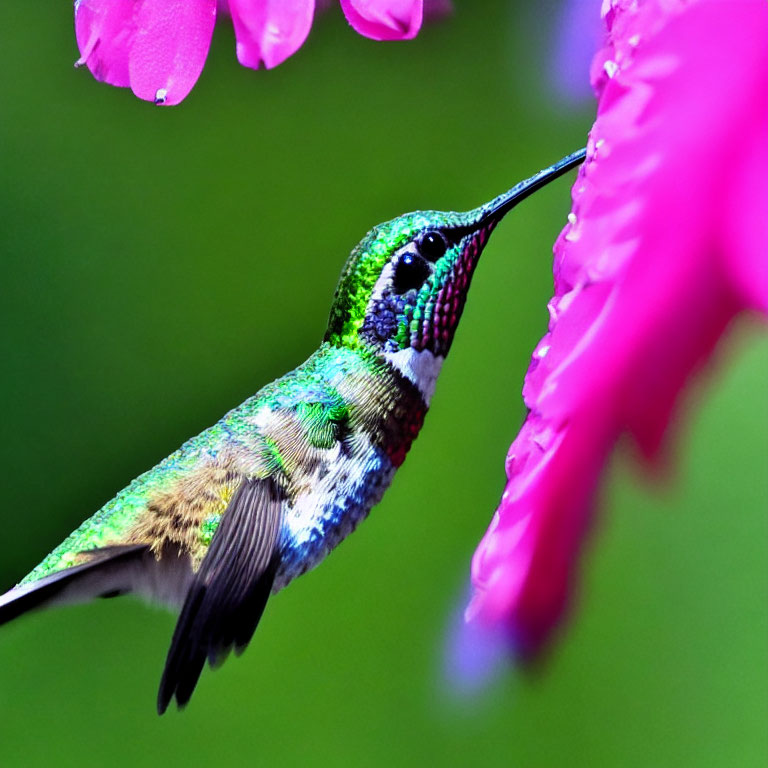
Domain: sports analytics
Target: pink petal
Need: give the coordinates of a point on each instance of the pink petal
(105, 30)
(170, 48)
(385, 19)
(269, 31)
(665, 246)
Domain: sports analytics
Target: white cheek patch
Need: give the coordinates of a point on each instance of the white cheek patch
(387, 273)
(421, 368)
(385, 278)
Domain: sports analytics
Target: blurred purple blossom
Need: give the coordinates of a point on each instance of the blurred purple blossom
(579, 32)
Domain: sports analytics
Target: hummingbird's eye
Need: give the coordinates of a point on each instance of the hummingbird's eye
(432, 246)
(410, 272)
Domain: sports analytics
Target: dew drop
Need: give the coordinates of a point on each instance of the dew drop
(611, 68)
(541, 352)
(572, 232)
(160, 95)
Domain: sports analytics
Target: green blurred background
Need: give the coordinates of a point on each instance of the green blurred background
(159, 265)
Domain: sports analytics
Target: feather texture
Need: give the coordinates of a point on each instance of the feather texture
(108, 572)
(228, 594)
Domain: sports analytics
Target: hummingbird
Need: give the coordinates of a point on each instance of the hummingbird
(261, 497)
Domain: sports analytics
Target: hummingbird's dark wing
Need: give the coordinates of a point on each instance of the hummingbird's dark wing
(108, 571)
(228, 593)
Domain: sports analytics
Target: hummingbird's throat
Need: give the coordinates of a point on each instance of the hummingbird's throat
(420, 367)
(437, 311)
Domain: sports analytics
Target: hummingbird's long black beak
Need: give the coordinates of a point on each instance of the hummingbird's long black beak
(497, 208)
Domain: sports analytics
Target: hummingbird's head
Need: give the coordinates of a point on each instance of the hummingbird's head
(403, 288)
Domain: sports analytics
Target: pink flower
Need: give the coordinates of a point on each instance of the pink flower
(158, 47)
(665, 247)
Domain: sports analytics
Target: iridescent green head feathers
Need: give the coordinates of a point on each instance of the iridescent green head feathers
(406, 282)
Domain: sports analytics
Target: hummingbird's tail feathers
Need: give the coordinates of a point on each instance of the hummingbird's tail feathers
(229, 592)
(108, 573)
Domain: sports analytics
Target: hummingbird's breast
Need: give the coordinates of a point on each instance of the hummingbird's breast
(342, 493)
(333, 489)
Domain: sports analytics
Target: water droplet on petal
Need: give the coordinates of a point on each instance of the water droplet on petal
(611, 68)
(572, 218)
(160, 95)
